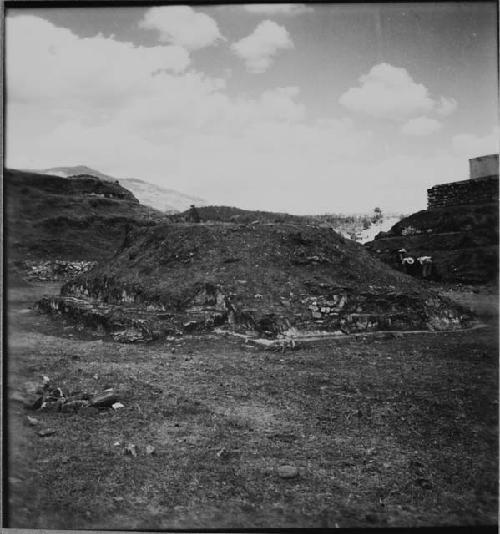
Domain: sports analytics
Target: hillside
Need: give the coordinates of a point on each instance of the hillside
(462, 240)
(230, 214)
(155, 196)
(160, 198)
(65, 172)
(49, 217)
(355, 226)
(267, 279)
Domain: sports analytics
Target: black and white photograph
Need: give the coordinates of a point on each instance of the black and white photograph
(250, 265)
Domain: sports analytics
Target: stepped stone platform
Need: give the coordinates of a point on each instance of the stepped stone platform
(266, 281)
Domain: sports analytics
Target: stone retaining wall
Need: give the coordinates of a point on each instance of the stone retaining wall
(127, 316)
(467, 192)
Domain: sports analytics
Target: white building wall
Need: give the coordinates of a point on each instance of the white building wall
(483, 166)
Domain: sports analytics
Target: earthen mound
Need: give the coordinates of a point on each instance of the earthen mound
(268, 279)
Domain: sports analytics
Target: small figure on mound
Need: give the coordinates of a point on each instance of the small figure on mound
(426, 265)
(408, 263)
(398, 256)
(193, 215)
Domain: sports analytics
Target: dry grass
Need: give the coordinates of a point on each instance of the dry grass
(399, 432)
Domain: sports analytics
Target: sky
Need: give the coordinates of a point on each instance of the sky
(300, 108)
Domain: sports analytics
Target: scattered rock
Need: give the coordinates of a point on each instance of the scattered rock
(190, 326)
(223, 453)
(287, 471)
(45, 432)
(79, 395)
(56, 269)
(105, 399)
(54, 394)
(51, 406)
(130, 450)
(28, 400)
(130, 335)
(424, 483)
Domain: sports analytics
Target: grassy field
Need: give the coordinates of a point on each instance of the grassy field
(399, 432)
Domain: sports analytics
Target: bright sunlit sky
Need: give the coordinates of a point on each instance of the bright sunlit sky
(287, 107)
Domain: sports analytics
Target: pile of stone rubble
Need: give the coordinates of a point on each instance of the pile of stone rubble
(48, 397)
(53, 270)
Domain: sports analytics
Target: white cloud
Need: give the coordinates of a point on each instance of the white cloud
(259, 48)
(183, 26)
(135, 111)
(54, 67)
(277, 9)
(280, 104)
(388, 92)
(421, 126)
(268, 164)
(472, 146)
(446, 106)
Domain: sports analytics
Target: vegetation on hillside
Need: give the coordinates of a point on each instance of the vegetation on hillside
(52, 217)
(344, 223)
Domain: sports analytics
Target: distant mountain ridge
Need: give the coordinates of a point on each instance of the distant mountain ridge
(152, 195)
(65, 172)
(160, 198)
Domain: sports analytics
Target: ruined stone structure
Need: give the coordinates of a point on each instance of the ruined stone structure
(56, 269)
(467, 192)
(459, 228)
(265, 280)
(481, 188)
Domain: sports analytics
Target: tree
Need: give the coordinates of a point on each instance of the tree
(377, 215)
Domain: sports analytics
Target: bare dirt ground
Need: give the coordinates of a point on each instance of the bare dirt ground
(399, 432)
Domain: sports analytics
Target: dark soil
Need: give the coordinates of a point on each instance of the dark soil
(462, 240)
(392, 433)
